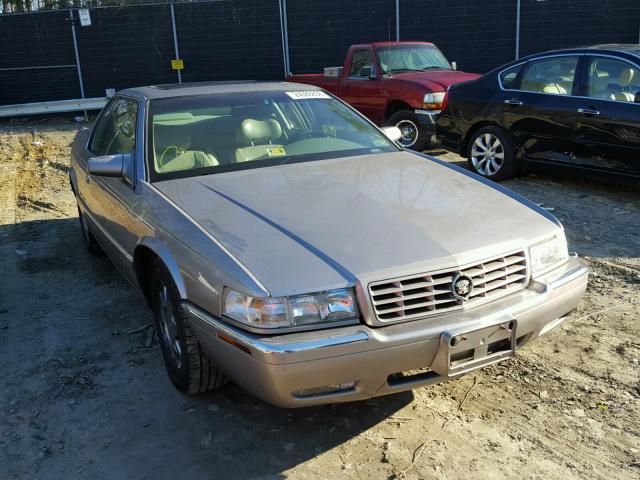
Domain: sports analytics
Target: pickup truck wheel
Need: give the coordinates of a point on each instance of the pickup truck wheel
(492, 154)
(190, 369)
(413, 135)
(89, 240)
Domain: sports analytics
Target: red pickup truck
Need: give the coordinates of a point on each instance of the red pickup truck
(393, 83)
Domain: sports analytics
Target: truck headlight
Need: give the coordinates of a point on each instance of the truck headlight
(548, 254)
(287, 312)
(433, 101)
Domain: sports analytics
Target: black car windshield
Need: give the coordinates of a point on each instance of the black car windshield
(411, 57)
(210, 134)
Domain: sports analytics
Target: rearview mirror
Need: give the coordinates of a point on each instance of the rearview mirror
(109, 165)
(636, 98)
(454, 65)
(393, 133)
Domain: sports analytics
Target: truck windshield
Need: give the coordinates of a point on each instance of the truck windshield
(210, 134)
(411, 58)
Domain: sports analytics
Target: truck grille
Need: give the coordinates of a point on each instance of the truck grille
(430, 294)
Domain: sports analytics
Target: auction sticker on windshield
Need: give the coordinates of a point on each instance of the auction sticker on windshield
(307, 94)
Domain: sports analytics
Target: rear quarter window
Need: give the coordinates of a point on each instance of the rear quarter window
(509, 77)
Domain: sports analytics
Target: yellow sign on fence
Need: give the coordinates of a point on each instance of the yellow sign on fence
(177, 64)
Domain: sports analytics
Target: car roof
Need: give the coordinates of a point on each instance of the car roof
(387, 44)
(174, 90)
(611, 48)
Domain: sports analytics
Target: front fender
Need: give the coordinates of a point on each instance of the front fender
(165, 255)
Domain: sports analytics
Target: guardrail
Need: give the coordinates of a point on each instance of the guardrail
(58, 106)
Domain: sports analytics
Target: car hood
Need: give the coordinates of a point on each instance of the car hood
(436, 79)
(326, 224)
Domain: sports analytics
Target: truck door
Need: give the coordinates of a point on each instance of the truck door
(362, 84)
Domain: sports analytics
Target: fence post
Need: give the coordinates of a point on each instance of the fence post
(75, 48)
(517, 29)
(175, 40)
(285, 36)
(397, 20)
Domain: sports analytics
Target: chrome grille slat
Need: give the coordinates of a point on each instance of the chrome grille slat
(428, 294)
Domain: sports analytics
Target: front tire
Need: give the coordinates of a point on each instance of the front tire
(413, 134)
(491, 153)
(190, 369)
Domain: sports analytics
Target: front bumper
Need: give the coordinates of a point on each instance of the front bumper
(274, 368)
(428, 119)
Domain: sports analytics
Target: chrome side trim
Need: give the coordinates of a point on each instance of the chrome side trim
(575, 273)
(106, 234)
(211, 237)
(278, 347)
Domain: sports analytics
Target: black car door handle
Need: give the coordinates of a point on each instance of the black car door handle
(588, 111)
(513, 101)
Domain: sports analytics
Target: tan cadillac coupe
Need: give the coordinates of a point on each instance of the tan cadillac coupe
(288, 244)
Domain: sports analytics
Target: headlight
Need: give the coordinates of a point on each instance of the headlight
(287, 312)
(433, 101)
(547, 254)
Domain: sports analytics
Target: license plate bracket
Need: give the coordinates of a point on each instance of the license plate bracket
(462, 351)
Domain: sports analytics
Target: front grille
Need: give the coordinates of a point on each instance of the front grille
(430, 294)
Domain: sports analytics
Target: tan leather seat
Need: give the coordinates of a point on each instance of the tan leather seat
(598, 87)
(172, 152)
(554, 89)
(259, 136)
(624, 80)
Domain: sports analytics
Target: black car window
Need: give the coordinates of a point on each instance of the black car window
(611, 79)
(552, 76)
(509, 76)
(360, 60)
(115, 130)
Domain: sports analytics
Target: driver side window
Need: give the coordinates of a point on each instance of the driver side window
(116, 128)
(361, 63)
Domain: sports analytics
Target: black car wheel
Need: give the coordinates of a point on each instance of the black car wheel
(491, 154)
(89, 240)
(413, 135)
(189, 368)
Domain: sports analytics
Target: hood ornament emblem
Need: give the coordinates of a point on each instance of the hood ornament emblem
(461, 287)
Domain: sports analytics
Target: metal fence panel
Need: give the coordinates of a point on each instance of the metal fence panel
(477, 34)
(125, 47)
(571, 23)
(230, 40)
(28, 43)
(320, 33)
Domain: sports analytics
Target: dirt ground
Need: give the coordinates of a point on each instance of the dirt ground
(84, 394)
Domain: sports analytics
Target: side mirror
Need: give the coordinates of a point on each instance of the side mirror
(372, 73)
(454, 65)
(636, 98)
(393, 133)
(110, 165)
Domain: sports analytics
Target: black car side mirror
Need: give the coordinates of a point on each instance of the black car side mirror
(369, 71)
(636, 98)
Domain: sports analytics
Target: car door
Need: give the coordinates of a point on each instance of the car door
(607, 133)
(360, 89)
(111, 199)
(538, 107)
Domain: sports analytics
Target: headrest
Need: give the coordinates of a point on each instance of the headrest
(626, 77)
(171, 136)
(600, 82)
(260, 131)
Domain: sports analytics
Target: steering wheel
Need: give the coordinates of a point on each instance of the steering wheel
(177, 149)
(301, 135)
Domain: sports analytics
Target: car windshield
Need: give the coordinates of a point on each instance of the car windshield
(414, 57)
(210, 134)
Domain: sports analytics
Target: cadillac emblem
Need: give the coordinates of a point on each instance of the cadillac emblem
(461, 287)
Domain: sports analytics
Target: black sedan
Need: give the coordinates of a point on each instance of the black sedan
(573, 109)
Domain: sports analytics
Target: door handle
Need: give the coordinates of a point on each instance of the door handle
(588, 111)
(513, 101)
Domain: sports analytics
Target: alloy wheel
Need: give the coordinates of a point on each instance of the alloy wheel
(409, 131)
(487, 154)
(169, 326)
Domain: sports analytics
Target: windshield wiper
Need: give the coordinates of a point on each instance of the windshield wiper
(434, 67)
